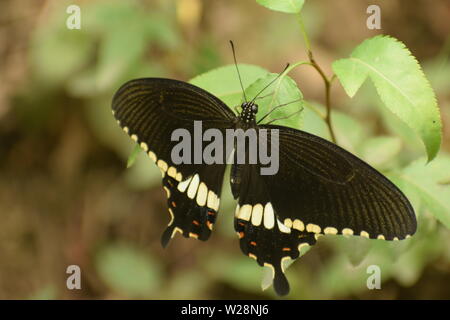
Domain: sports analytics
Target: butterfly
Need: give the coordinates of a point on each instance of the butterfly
(319, 188)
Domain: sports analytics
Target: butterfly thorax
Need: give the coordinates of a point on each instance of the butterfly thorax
(248, 115)
(247, 120)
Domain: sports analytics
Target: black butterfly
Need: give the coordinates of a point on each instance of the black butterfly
(320, 188)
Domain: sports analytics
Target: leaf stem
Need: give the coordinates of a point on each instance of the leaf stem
(314, 109)
(303, 32)
(285, 72)
(327, 81)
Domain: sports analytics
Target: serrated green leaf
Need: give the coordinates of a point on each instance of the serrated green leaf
(127, 270)
(431, 182)
(400, 83)
(286, 6)
(282, 92)
(395, 126)
(224, 83)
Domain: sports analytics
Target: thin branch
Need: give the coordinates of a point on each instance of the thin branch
(327, 81)
(280, 77)
(303, 32)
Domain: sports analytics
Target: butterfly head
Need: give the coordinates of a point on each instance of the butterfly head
(249, 111)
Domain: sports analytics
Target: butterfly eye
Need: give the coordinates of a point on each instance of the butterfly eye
(255, 108)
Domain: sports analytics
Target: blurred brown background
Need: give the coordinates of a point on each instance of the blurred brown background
(66, 196)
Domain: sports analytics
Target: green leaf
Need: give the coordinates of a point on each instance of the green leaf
(160, 29)
(224, 83)
(58, 53)
(348, 139)
(284, 91)
(400, 83)
(118, 51)
(432, 182)
(286, 6)
(143, 174)
(339, 277)
(396, 127)
(132, 158)
(409, 265)
(127, 270)
(238, 271)
(357, 249)
(379, 151)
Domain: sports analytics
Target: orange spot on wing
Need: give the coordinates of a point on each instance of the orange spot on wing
(286, 249)
(241, 235)
(193, 235)
(253, 243)
(174, 204)
(211, 213)
(196, 222)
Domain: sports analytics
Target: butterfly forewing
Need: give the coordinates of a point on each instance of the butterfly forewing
(330, 191)
(149, 111)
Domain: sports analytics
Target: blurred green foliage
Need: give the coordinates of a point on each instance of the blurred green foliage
(128, 271)
(287, 6)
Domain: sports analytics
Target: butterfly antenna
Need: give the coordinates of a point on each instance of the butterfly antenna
(237, 69)
(270, 83)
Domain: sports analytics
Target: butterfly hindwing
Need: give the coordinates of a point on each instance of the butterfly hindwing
(262, 236)
(149, 110)
(193, 203)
